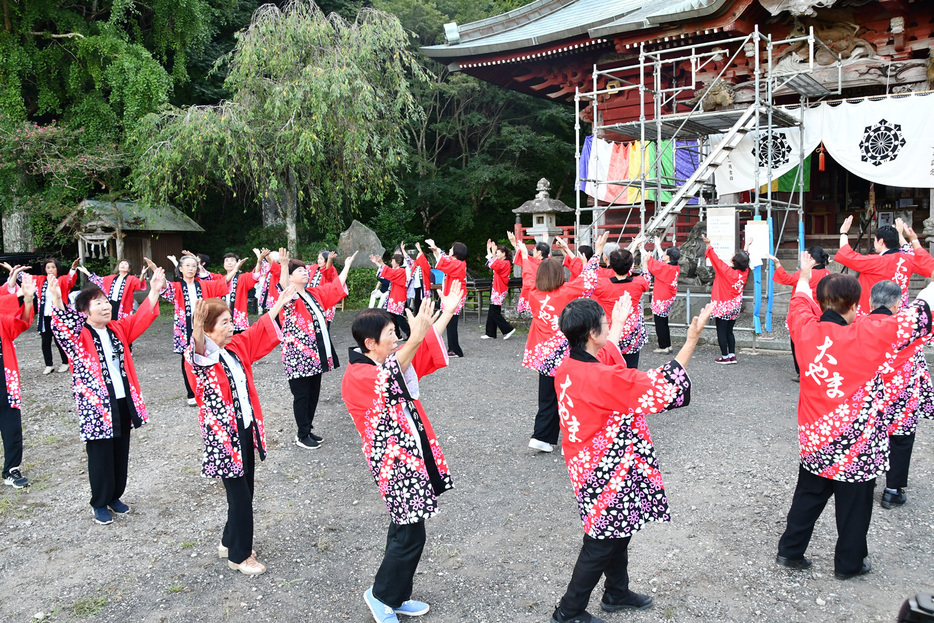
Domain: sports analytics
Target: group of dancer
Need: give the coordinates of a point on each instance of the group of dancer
(857, 415)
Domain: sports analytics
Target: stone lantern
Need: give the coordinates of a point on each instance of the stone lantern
(543, 209)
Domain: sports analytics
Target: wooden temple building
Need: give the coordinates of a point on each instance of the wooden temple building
(648, 77)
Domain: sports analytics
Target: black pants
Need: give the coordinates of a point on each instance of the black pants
(793, 358)
(546, 420)
(108, 460)
(609, 557)
(393, 582)
(417, 300)
(632, 360)
(725, 337)
(402, 325)
(495, 320)
(305, 392)
(191, 393)
(11, 429)
(238, 531)
(900, 447)
(47, 340)
(662, 331)
(853, 504)
(453, 345)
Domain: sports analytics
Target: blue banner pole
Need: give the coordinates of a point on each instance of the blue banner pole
(771, 286)
(757, 277)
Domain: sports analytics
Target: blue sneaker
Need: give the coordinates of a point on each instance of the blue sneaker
(381, 612)
(119, 507)
(412, 608)
(103, 516)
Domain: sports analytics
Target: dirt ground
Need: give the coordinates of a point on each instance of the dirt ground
(504, 544)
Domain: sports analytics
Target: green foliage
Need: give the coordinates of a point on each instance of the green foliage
(316, 115)
(360, 282)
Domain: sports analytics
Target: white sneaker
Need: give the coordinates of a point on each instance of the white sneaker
(509, 335)
(192, 402)
(485, 337)
(663, 350)
(540, 445)
(63, 367)
(48, 370)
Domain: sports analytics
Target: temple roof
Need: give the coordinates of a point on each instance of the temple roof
(135, 217)
(546, 21)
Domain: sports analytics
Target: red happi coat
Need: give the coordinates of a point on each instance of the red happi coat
(840, 431)
(376, 395)
(782, 277)
(728, 284)
(607, 446)
(893, 265)
(546, 346)
(608, 291)
(239, 288)
(174, 292)
(575, 265)
(316, 277)
(11, 325)
(89, 375)
(908, 391)
(665, 288)
(529, 266)
(398, 278)
(500, 287)
(131, 284)
(65, 284)
(217, 415)
(303, 343)
(423, 270)
(454, 270)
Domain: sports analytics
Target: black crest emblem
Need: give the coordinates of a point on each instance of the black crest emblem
(881, 143)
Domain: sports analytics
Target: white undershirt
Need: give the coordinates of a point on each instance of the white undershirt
(192, 295)
(243, 390)
(115, 288)
(322, 321)
(113, 363)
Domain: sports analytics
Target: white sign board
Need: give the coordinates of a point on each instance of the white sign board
(758, 232)
(721, 231)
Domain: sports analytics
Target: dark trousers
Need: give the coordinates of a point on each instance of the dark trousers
(108, 460)
(393, 582)
(47, 340)
(662, 331)
(546, 420)
(609, 557)
(632, 360)
(853, 504)
(11, 429)
(900, 447)
(191, 393)
(417, 300)
(453, 345)
(495, 320)
(793, 358)
(725, 337)
(238, 531)
(305, 392)
(402, 325)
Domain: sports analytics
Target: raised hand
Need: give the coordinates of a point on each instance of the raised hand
(910, 234)
(6, 266)
(198, 315)
(376, 259)
(28, 289)
(699, 321)
(188, 253)
(283, 257)
(84, 270)
(420, 323)
(621, 310)
(847, 223)
(157, 283)
(54, 290)
(74, 264)
(152, 265)
(601, 242)
(705, 239)
(453, 297)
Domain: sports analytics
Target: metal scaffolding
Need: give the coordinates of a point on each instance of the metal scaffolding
(716, 132)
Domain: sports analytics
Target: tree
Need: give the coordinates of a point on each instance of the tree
(316, 117)
(76, 76)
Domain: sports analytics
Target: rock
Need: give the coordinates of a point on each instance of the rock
(360, 239)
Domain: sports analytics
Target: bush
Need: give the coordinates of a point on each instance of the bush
(360, 282)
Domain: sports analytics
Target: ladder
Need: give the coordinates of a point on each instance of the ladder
(664, 217)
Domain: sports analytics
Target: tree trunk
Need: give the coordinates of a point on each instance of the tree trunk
(272, 213)
(17, 232)
(290, 200)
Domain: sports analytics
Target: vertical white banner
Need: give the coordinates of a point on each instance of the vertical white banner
(722, 230)
(758, 232)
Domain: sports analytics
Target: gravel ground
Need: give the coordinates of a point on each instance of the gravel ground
(504, 544)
